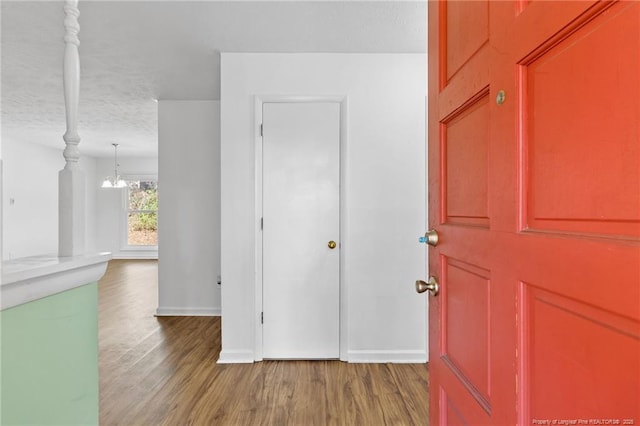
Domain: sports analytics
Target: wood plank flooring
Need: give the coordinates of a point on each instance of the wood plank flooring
(163, 371)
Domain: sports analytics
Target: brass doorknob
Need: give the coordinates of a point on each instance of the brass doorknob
(431, 285)
(431, 237)
(332, 245)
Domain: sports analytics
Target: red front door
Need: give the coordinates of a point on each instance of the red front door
(534, 190)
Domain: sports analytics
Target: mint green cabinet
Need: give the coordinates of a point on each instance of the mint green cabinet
(49, 360)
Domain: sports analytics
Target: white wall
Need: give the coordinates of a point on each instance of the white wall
(30, 199)
(385, 191)
(89, 167)
(189, 153)
(111, 204)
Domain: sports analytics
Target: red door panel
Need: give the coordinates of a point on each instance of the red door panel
(580, 145)
(464, 168)
(460, 46)
(465, 306)
(580, 351)
(536, 199)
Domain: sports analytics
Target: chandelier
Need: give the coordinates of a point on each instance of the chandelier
(116, 181)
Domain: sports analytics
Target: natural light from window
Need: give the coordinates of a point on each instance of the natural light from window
(142, 213)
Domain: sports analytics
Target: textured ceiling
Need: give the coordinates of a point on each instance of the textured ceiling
(134, 52)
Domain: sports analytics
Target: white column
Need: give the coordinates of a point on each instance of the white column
(71, 182)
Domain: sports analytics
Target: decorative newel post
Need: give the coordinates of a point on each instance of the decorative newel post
(71, 183)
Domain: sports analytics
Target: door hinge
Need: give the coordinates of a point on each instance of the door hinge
(261, 223)
(261, 317)
(261, 129)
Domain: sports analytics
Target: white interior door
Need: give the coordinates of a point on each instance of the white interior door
(301, 216)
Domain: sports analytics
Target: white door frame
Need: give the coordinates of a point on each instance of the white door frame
(343, 101)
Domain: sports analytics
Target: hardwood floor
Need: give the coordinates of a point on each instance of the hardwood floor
(163, 371)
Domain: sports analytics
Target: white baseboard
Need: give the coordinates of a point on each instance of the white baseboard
(235, 357)
(369, 357)
(395, 357)
(188, 312)
(135, 256)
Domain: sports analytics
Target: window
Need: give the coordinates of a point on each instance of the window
(142, 213)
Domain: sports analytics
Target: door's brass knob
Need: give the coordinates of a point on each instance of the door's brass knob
(431, 237)
(332, 245)
(431, 285)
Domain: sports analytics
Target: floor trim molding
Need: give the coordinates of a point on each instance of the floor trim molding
(188, 312)
(236, 357)
(385, 356)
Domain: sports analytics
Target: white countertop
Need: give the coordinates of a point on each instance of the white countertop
(31, 278)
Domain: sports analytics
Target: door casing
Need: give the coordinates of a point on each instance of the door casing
(259, 100)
